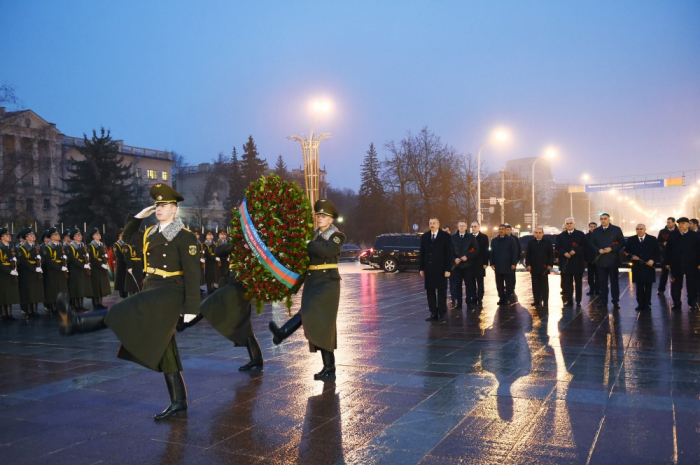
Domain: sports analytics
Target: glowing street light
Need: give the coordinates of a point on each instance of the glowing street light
(499, 135)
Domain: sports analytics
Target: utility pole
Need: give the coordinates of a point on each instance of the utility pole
(503, 196)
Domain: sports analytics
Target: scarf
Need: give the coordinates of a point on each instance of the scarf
(327, 233)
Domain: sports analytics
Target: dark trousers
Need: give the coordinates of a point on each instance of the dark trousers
(476, 285)
(644, 294)
(567, 285)
(437, 304)
(463, 275)
(677, 287)
(593, 278)
(505, 285)
(609, 274)
(453, 287)
(663, 279)
(540, 288)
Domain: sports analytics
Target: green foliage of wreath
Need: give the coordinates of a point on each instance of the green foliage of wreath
(281, 213)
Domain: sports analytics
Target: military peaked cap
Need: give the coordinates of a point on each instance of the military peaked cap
(4, 231)
(51, 232)
(95, 230)
(25, 232)
(44, 235)
(66, 233)
(162, 194)
(73, 232)
(325, 207)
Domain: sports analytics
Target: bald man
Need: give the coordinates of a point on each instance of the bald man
(644, 252)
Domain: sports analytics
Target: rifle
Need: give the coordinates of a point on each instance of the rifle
(13, 260)
(64, 262)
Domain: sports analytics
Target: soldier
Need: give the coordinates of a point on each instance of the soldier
(465, 249)
(99, 269)
(56, 270)
(539, 260)
(321, 295)
(31, 281)
(607, 240)
(20, 242)
(589, 256)
(133, 260)
(119, 265)
(65, 238)
(79, 281)
(202, 279)
(481, 261)
(9, 277)
(644, 252)
(570, 251)
(223, 257)
(211, 265)
(683, 261)
(662, 238)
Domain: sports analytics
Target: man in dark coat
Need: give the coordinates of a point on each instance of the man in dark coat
(539, 260)
(56, 271)
(644, 252)
(477, 271)
(79, 284)
(509, 233)
(99, 269)
(9, 276)
(570, 252)
(435, 263)
(504, 259)
(465, 249)
(119, 265)
(607, 240)
(683, 260)
(589, 257)
(662, 239)
(31, 280)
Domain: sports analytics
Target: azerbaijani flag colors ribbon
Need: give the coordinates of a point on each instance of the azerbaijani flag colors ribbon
(262, 253)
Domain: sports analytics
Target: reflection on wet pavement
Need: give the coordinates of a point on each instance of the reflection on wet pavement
(496, 385)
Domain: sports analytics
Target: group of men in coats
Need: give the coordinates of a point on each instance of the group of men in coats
(464, 257)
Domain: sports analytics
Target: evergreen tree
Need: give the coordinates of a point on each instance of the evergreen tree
(99, 187)
(371, 204)
(236, 186)
(281, 168)
(252, 166)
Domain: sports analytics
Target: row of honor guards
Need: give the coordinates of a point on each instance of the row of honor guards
(34, 272)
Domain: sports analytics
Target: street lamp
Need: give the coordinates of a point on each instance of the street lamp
(585, 178)
(498, 135)
(309, 146)
(550, 154)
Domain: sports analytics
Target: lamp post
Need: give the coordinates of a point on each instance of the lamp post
(550, 153)
(497, 136)
(309, 146)
(585, 178)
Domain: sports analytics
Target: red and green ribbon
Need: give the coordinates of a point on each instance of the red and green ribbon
(261, 252)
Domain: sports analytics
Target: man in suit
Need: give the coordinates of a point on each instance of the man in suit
(608, 241)
(504, 258)
(644, 252)
(435, 263)
(539, 260)
(509, 233)
(662, 238)
(570, 251)
(589, 257)
(465, 249)
(477, 271)
(683, 261)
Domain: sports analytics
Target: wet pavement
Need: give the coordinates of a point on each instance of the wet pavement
(500, 385)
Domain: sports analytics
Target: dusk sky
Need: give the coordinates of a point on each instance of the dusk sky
(613, 85)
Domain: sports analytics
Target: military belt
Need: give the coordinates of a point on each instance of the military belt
(322, 267)
(165, 274)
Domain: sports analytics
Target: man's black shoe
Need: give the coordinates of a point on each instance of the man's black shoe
(661, 292)
(431, 318)
(441, 319)
(639, 308)
(616, 305)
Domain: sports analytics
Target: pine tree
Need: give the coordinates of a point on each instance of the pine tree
(236, 186)
(252, 166)
(372, 199)
(281, 168)
(99, 187)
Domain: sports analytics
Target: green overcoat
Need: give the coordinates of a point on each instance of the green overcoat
(99, 276)
(9, 284)
(55, 280)
(79, 284)
(31, 282)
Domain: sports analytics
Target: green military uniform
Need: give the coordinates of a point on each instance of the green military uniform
(211, 264)
(79, 282)
(31, 281)
(119, 266)
(55, 271)
(99, 271)
(9, 278)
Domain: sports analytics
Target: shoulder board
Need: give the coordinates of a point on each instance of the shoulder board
(148, 229)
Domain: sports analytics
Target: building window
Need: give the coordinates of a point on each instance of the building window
(11, 203)
(138, 172)
(30, 205)
(152, 174)
(164, 175)
(47, 204)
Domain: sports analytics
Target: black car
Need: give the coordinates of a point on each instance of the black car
(525, 240)
(349, 252)
(395, 252)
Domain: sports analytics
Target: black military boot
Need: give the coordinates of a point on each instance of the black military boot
(255, 354)
(74, 323)
(287, 329)
(178, 396)
(184, 325)
(328, 366)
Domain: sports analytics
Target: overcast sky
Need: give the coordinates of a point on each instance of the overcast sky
(614, 85)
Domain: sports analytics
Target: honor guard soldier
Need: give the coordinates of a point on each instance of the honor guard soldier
(56, 269)
(99, 269)
(202, 279)
(224, 259)
(133, 260)
(31, 281)
(211, 264)
(79, 281)
(65, 238)
(119, 265)
(9, 276)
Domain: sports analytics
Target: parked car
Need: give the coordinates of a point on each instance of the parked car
(525, 240)
(365, 255)
(395, 252)
(349, 252)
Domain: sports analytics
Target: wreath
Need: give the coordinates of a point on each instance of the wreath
(269, 232)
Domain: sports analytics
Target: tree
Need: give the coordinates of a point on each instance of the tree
(281, 168)
(98, 187)
(396, 177)
(369, 215)
(252, 166)
(236, 185)
(345, 201)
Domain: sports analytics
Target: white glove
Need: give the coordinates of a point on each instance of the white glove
(64, 257)
(14, 259)
(106, 256)
(130, 270)
(38, 257)
(218, 259)
(87, 255)
(63, 268)
(39, 270)
(105, 267)
(86, 266)
(202, 260)
(14, 273)
(146, 212)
